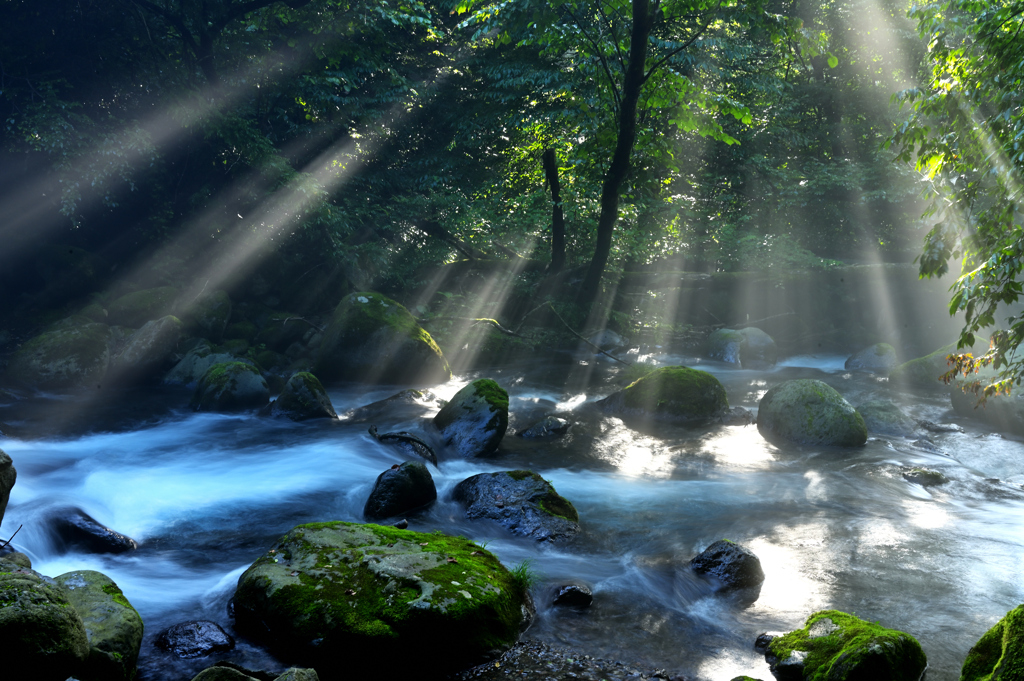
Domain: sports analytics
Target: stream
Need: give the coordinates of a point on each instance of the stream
(206, 494)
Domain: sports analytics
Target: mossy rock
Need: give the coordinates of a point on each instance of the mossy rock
(749, 347)
(521, 501)
(674, 394)
(879, 358)
(8, 476)
(924, 477)
(135, 309)
(113, 626)
(884, 417)
(475, 420)
(207, 315)
(1003, 412)
(43, 635)
(74, 357)
(371, 338)
(195, 363)
(444, 602)
(147, 350)
(836, 646)
(999, 653)
(927, 371)
(303, 398)
(810, 412)
(230, 386)
(281, 329)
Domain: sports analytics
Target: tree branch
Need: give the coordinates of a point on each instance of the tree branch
(658, 64)
(601, 57)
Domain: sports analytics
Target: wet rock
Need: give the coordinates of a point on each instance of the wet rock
(940, 427)
(194, 638)
(147, 350)
(733, 565)
(230, 386)
(112, 625)
(532, 661)
(848, 648)
(521, 501)
(402, 524)
(400, 489)
(407, 442)
(573, 596)
(810, 412)
(8, 476)
(475, 420)
(750, 347)
(999, 653)
(401, 404)
(373, 339)
(195, 363)
(674, 394)
(924, 477)
(303, 398)
(135, 309)
(75, 357)
(762, 641)
(884, 417)
(549, 426)
(389, 594)
(206, 315)
(737, 416)
(879, 359)
(927, 445)
(43, 635)
(78, 530)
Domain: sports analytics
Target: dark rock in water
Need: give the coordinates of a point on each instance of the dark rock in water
(113, 626)
(475, 420)
(226, 671)
(336, 595)
(231, 386)
(927, 445)
(924, 477)
(521, 501)
(407, 441)
(674, 394)
(574, 596)
(940, 427)
(77, 529)
(43, 635)
(303, 398)
(737, 416)
(549, 426)
(402, 524)
(999, 653)
(532, 661)
(841, 647)
(735, 566)
(194, 639)
(751, 347)
(762, 641)
(810, 412)
(400, 489)
(8, 476)
(879, 358)
(882, 416)
(405, 403)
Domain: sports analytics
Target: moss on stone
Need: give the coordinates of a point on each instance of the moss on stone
(999, 653)
(677, 392)
(492, 393)
(135, 309)
(810, 411)
(63, 358)
(924, 372)
(230, 385)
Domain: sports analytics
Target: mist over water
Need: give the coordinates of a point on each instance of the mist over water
(205, 495)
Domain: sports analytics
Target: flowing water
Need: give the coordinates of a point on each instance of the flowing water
(206, 494)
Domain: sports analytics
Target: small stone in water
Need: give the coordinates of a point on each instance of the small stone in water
(574, 595)
(402, 524)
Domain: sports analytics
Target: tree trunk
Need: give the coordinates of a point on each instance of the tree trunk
(557, 217)
(619, 168)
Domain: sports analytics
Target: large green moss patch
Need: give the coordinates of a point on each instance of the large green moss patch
(671, 394)
(999, 653)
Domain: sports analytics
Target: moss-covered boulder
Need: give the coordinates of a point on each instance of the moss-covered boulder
(810, 412)
(135, 309)
(674, 394)
(475, 420)
(43, 635)
(1003, 412)
(73, 357)
(8, 475)
(924, 372)
(880, 358)
(836, 646)
(750, 347)
(999, 653)
(195, 363)
(206, 315)
(112, 625)
(371, 338)
(335, 595)
(734, 566)
(885, 418)
(522, 502)
(303, 398)
(402, 488)
(230, 386)
(148, 350)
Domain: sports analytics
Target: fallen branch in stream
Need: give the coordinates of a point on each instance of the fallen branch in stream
(620, 361)
(477, 320)
(419, 446)
(7, 543)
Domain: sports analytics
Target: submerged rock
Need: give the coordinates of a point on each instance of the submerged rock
(837, 646)
(884, 417)
(77, 529)
(879, 358)
(924, 477)
(8, 476)
(75, 357)
(811, 412)
(402, 488)
(303, 398)
(417, 601)
(735, 566)
(230, 386)
(999, 653)
(407, 402)
(674, 394)
(549, 426)
(194, 638)
(43, 635)
(372, 338)
(521, 501)
(573, 596)
(749, 347)
(112, 625)
(475, 420)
